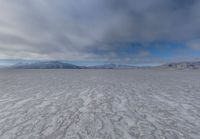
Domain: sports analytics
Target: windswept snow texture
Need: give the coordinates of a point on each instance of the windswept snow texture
(99, 104)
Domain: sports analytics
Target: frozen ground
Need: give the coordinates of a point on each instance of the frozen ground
(99, 104)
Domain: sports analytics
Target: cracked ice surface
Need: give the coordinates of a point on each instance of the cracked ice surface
(99, 104)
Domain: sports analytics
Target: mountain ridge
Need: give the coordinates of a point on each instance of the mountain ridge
(182, 65)
(45, 65)
(64, 65)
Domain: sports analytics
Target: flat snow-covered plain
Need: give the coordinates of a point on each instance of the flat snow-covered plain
(99, 104)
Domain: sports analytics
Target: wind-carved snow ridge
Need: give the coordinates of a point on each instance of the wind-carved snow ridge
(99, 104)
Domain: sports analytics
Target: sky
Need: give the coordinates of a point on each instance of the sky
(100, 31)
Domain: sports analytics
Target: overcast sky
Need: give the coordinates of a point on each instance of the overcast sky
(121, 31)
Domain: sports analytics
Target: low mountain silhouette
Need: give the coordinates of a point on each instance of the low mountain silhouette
(45, 65)
(181, 65)
(64, 65)
(112, 66)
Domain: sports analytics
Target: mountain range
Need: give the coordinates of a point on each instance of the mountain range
(64, 65)
(45, 65)
(181, 65)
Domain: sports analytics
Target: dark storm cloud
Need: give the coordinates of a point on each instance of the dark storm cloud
(93, 29)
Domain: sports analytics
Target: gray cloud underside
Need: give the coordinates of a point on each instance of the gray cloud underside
(69, 29)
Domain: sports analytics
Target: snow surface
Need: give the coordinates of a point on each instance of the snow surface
(99, 104)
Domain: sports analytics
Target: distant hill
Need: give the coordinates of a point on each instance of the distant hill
(112, 66)
(181, 66)
(45, 65)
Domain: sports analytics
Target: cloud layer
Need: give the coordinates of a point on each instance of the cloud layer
(94, 29)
